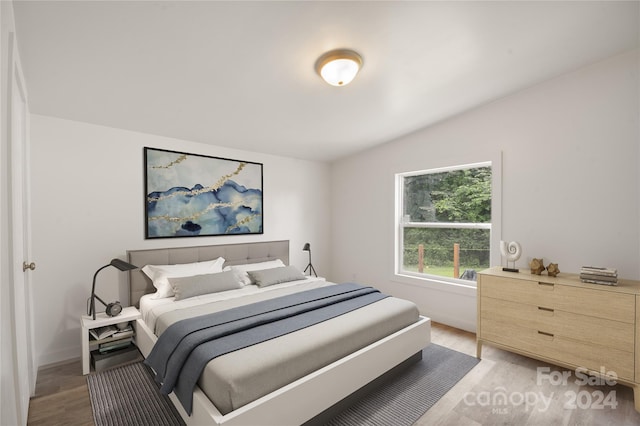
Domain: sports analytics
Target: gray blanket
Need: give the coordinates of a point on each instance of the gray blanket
(184, 349)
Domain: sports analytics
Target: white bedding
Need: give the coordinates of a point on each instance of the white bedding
(235, 379)
(151, 308)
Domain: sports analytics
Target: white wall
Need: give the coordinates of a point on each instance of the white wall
(570, 189)
(88, 207)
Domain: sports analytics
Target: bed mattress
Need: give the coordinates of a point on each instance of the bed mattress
(233, 380)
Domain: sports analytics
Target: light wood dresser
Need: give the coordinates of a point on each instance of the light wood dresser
(563, 321)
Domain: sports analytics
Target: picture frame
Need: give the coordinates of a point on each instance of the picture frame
(195, 195)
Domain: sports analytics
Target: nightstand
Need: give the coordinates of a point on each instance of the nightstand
(128, 314)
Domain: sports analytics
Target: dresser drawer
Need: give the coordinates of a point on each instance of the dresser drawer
(558, 348)
(583, 328)
(594, 303)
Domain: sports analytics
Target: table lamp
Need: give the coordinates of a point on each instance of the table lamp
(114, 308)
(307, 247)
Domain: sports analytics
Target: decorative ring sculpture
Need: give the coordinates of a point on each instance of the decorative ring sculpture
(512, 252)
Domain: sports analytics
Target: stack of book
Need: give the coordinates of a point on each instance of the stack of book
(110, 338)
(597, 275)
(111, 346)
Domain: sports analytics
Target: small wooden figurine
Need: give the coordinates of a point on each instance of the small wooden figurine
(536, 266)
(553, 270)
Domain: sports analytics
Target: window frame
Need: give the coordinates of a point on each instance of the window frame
(494, 226)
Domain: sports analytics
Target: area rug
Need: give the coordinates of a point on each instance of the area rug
(128, 395)
(402, 400)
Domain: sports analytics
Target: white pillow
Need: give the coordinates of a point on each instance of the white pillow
(159, 274)
(241, 270)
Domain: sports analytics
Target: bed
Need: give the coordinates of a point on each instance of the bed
(289, 379)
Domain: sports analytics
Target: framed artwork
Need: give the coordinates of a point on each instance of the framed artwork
(191, 195)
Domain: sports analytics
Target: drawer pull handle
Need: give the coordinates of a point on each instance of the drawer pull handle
(540, 308)
(549, 286)
(545, 333)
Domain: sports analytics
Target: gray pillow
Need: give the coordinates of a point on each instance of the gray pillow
(267, 277)
(185, 287)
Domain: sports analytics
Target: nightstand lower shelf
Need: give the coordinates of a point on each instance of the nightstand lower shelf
(128, 315)
(104, 361)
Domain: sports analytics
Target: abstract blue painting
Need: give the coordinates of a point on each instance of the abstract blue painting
(190, 195)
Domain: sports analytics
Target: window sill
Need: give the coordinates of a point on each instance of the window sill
(433, 283)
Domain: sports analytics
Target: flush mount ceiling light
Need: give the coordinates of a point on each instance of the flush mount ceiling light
(339, 67)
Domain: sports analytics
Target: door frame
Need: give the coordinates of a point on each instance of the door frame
(20, 234)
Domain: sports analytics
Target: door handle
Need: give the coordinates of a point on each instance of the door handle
(26, 266)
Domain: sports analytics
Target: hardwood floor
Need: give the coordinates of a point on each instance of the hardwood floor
(533, 392)
(62, 396)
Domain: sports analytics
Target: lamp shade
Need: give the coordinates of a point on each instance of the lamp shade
(122, 265)
(339, 67)
(307, 247)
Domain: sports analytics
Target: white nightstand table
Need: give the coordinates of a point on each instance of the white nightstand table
(128, 314)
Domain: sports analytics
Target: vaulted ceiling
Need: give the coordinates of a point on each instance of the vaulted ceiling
(241, 74)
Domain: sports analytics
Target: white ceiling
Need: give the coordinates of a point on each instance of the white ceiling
(241, 74)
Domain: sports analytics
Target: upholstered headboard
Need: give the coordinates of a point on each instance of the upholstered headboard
(234, 254)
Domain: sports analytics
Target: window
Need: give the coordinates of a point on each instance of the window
(444, 222)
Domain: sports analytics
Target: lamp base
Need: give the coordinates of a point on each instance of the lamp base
(311, 269)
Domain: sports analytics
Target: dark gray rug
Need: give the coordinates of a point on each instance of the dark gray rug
(128, 395)
(403, 399)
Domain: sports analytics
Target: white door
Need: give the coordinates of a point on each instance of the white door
(20, 234)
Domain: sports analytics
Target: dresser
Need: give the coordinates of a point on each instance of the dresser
(563, 321)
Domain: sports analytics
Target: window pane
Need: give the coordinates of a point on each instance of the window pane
(438, 250)
(462, 196)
